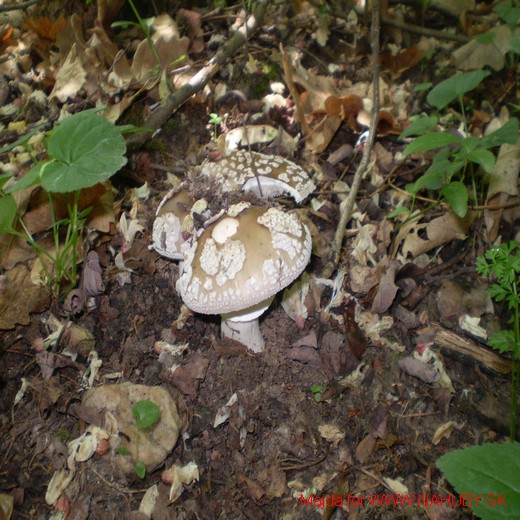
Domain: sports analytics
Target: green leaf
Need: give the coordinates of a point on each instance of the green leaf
(485, 38)
(430, 142)
(510, 14)
(490, 470)
(419, 126)
(4, 178)
(7, 213)
(140, 469)
(31, 178)
(456, 194)
(121, 450)
(452, 88)
(503, 341)
(498, 292)
(422, 86)
(86, 149)
(508, 133)
(483, 157)
(398, 211)
(515, 43)
(146, 414)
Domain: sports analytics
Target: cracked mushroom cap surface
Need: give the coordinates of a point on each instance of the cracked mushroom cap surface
(244, 170)
(245, 257)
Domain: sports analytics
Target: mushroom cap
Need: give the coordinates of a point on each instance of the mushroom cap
(167, 231)
(241, 260)
(243, 170)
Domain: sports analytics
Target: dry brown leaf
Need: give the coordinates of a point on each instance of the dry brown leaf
(193, 21)
(44, 27)
(71, 76)
(20, 298)
(403, 60)
(387, 289)
(365, 448)
(439, 231)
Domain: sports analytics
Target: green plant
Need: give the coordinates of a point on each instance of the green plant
(146, 415)
(510, 14)
(504, 263)
(453, 168)
(487, 477)
(317, 391)
(215, 120)
(83, 150)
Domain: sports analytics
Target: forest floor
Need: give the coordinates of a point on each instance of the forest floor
(352, 403)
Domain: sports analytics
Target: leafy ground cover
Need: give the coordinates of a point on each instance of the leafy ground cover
(118, 402)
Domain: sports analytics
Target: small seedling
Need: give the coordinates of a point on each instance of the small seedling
(215, 120)
(503, 263)
(317, 391)
(453, 168)
(83, 150)
(146, 414)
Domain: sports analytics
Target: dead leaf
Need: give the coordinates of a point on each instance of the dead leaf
(444, 431)
(44, 27)
(20, 297)
(253, 490)
(92, 283)
(365, 448)
(403, 60)
(70, 78)
(438, 231)
(419, 369)
(192, 19)
(387, 289)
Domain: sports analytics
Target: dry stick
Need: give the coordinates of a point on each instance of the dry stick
(199, 81)
(16, 7)
(347, 205)
(424, 31)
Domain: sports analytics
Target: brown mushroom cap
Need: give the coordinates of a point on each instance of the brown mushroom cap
(243, 170)
(244, 258)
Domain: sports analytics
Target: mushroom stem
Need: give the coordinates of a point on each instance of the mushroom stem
(244, 326)
(246, 332)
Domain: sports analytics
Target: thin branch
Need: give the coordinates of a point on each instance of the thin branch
(200, 80)
(424, 31)
(347, 205)
(15, 7)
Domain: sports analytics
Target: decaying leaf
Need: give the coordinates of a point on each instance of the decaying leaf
(178, 476)
(224, 412)
(438, 231)
(444, 431)
(20, 297)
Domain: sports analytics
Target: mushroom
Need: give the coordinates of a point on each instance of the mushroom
(174, 223)
(238, 264)
(265, 175)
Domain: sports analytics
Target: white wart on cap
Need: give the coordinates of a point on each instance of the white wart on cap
(240, 262)
(169, 224)
(245, 171)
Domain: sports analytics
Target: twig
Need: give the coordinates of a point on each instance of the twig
(199, 81)
(24, 5)
(424, 31)
(347, 205)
